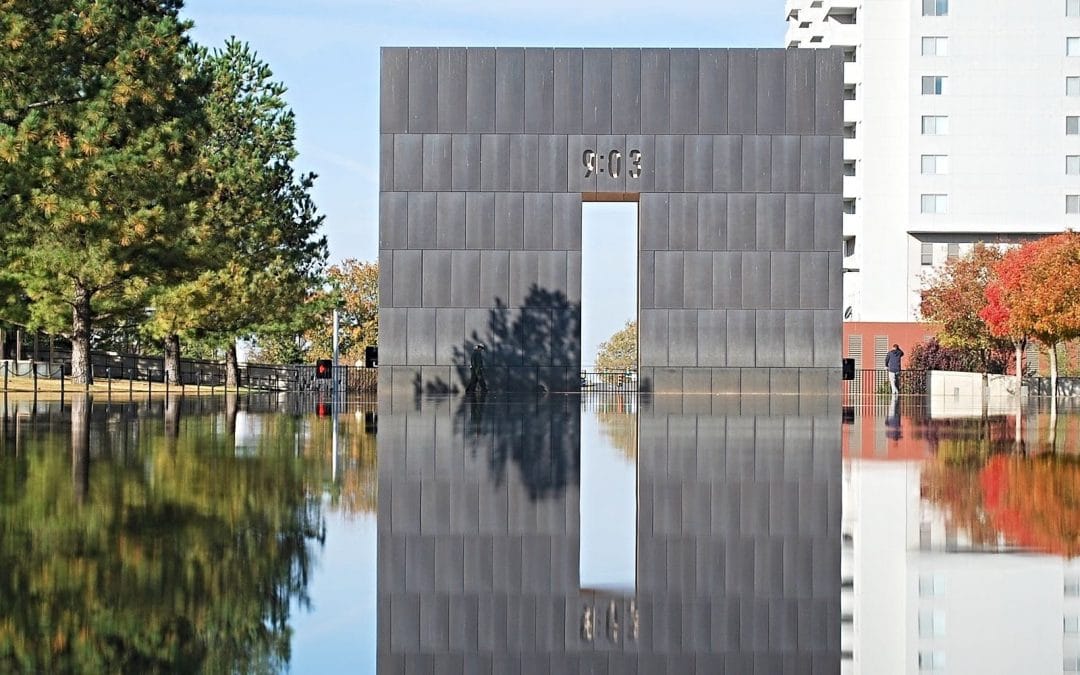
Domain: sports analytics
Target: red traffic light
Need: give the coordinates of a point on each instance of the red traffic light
(323, 368)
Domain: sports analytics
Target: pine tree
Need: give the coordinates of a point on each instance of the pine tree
(258, 250)
(99, 125)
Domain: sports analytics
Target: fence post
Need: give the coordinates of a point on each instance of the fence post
(166, 384)
(108, 376)
(33, 370)
(61, 382)
(5, 375)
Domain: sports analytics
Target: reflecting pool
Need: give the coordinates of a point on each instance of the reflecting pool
(602, 533)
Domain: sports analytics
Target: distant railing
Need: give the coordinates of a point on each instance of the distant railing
(609, 380)
(871, 382)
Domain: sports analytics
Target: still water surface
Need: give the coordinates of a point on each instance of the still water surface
(556, 534)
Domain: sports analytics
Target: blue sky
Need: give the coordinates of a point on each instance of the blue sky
(327, 54)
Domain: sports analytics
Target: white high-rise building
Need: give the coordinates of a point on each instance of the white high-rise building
(962, 124)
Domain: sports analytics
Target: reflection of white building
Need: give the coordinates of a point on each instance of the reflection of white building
(919, 598)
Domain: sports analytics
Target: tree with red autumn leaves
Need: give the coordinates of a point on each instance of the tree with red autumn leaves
(1002, 313)
(953, 298)
(1036, 292)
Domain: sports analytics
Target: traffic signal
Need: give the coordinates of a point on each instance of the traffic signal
(323, 368)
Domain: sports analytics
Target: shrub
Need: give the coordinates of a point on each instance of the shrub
(932, 355)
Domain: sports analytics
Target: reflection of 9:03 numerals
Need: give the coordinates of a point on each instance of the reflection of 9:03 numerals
(613, 166)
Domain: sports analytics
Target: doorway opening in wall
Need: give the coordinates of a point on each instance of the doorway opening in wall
(609, 282)
(609, 428)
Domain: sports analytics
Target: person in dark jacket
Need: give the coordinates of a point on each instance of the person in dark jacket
(477, 366)
(892, 364)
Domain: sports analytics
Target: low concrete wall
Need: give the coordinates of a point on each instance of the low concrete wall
(960, 394)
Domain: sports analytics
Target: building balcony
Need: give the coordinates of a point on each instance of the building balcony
(853, 149)
(852, 225)
(853, 72)
(844, 34)
(853, 110)
(853, 186)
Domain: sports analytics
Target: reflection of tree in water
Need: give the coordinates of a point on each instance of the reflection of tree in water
(533, 346)
(356, 489)
(541, 436)
(619, 427)
(144, 554)
(1029, 502)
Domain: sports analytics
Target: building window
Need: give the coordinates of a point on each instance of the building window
(1072, 86)
(935, 7)
(1072, 125)
(1072, 203)
(1072, 165)
(1072, 7)
(935, 46)
(952, 251)
(1072, 588)
(931, 585)
(926, 257)
(1072, 625)
(935, 203)
(934, 85)
(931, 660)
(938, 125)
(1072, 46)
(1071, 664)
(934, 164)
(931, 623)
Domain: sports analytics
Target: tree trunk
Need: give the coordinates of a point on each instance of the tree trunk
(1053, 371)
(81, 372)
(232, 369)
(1019, 347)
(172, 358)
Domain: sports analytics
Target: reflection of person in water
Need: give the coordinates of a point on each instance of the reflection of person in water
(477, 366)
(892, 420)
(476, 415)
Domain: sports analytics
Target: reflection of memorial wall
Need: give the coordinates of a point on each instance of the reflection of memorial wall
(737, 555)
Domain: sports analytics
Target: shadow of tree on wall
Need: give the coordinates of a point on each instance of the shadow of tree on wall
(532, 348)
(540, 435)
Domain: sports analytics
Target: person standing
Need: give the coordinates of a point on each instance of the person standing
(892, 364)
(477, 367)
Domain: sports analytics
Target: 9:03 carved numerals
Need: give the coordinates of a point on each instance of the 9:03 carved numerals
(612, 163)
